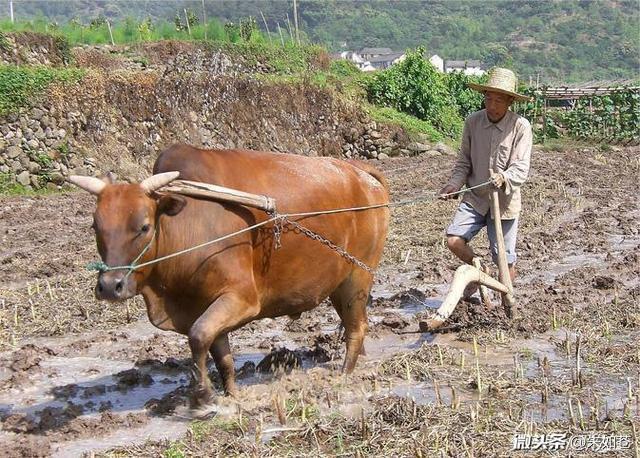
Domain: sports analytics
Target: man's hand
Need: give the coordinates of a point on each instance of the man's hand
(497, 179)
(445, 192)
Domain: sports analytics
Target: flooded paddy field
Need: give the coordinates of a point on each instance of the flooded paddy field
(83, 378)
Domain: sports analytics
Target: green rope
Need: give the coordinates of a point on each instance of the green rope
(102, 267)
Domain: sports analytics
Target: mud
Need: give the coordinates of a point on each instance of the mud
(80, 376)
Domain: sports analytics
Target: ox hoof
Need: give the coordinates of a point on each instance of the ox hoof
(201, 397)
(232, 392)
(204, 412)
(430, 324)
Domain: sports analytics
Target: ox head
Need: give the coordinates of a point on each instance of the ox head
(125, 224)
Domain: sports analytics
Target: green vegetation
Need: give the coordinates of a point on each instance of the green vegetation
(415, 87)
(280, 60)
(410, 124)
(610, 118)
(129, 30)
(19, 85)
(565, 41)
(10, 187)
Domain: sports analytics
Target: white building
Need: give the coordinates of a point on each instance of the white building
(468, 67)
(437, 62)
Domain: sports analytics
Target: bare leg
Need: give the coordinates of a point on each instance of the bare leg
(221, 353)
(460, 248)
(227, 312)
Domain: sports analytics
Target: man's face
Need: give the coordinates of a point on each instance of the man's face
(497, 105)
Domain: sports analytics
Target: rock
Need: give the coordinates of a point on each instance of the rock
(33, 143)
(37, 113)
(13, 152)
(33, 167)
(418, 148)
(375, 134)
(35, 182)
(4, 168)
(23, 178)
(444, 149)
(383, 156)
(56, 177)
(432, 152)
(79, 171)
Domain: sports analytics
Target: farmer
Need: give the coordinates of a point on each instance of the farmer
(496, 147)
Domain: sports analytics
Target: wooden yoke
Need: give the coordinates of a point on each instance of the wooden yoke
(214, 192)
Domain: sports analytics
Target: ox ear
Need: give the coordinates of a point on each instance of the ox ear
(170, 204)
(89, 184)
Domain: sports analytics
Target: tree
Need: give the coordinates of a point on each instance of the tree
(497, 55)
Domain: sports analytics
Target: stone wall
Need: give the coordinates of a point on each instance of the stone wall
(131, 105)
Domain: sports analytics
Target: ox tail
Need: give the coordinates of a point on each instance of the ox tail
(375, 173)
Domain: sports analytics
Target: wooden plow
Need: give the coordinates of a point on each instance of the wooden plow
(466, 274)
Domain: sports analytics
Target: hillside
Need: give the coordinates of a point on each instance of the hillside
(573, 40)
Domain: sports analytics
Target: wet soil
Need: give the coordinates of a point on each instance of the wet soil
(78, 376)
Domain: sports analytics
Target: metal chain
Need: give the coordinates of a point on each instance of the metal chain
(341, 251)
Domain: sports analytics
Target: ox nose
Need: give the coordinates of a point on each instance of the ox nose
(111, 286)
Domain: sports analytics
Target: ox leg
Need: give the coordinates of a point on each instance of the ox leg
(227, 312)
(350, 301)
(221, 352)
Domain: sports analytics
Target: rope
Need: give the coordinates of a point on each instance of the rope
(279, 219)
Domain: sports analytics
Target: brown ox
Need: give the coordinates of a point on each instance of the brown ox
(211, 291)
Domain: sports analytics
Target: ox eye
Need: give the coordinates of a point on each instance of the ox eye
(145, 228)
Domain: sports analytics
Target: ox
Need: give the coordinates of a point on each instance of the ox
(209, 292)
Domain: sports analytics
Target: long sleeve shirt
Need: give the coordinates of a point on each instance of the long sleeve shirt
(503, 147)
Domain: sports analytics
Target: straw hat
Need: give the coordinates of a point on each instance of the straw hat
(501, 80)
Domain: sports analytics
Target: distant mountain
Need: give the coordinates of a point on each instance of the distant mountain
(567, 40)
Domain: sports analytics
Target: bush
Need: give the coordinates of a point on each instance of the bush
(414, 86)
(467, 100)
(343, 68)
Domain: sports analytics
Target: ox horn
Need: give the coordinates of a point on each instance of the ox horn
(90, 184)
(158, 180)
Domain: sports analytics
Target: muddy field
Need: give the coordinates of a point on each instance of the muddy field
(79, 377)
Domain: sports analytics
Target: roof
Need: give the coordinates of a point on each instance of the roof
(386, 58)
(462, 63)
(376, 51)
